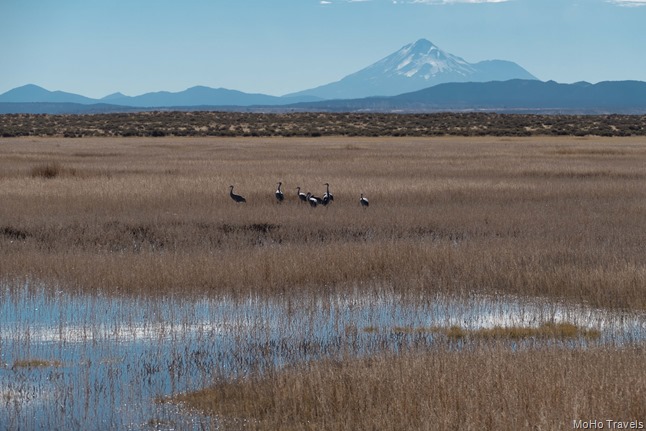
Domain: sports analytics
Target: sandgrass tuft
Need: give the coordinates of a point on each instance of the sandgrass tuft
(549, 330)
(51, 170)
(35, 363)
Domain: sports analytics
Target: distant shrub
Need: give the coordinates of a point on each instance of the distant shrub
(51, 170)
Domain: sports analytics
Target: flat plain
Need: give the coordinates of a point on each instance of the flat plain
(558, 220)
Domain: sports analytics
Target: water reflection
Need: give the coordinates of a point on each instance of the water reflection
(107, 359)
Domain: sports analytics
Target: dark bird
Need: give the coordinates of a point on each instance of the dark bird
(312, 200)
(328, 196)
(302, 196)
(316, 198)
(236, 197)
(363, 201)
(279, 195)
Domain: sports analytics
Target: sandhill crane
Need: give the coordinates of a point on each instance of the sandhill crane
(235, 197)
(279, 195)
(363, 201)
(311, 199)
(327, 196)
(302, 196)
(316, 198)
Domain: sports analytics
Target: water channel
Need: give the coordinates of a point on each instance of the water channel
(76, 361)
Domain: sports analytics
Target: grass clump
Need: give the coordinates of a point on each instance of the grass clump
(35, 363)
(549, 330)
(51, 170)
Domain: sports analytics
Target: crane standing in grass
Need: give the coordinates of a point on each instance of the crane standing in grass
(239, 199)
(316, 198)
(327, 197)
(279, 195)
(312, 200)
(302, 196)
(364, 201)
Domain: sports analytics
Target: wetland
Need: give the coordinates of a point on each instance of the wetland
(136, 294)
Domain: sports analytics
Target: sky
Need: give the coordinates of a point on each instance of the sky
(99, 47)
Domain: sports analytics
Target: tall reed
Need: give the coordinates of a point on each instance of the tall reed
(554, 217)
(485, 388)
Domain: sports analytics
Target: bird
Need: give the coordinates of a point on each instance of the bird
(312, 200)
(279, 195)
(235, 197)
(328, 196)
(302, 196)
(364, 201)
(316, 198)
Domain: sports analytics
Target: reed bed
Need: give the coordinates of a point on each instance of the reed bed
(550, 217)
(486, 387)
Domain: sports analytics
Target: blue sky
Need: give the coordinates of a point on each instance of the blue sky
(98, 47)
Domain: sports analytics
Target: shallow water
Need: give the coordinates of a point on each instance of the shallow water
(110, 358)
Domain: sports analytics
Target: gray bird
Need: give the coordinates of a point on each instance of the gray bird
(312, 200)
(302, 196)
(279, 195)
(235, 197)
(364, 201)
(327, 197)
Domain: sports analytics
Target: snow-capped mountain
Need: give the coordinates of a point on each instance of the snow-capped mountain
(415, 66)
(421, 60)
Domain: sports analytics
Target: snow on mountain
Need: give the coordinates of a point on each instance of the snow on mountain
(415, 66)
(423, 60)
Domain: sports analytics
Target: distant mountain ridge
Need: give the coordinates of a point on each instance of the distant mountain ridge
(31, 93)
(413, 67)
(517, 95)
(419, 77)
(194, 96)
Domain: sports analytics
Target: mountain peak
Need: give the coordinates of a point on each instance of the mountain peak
(422, 60)
(417, 65)
(29, 90)
(113, 96)
(422, 46)
(34, 93)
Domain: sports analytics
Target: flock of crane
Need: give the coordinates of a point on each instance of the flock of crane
(308, 197)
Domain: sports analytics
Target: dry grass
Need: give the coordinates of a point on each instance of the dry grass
(548, 330)
(560, 218)
(531, 216)
(35, 363)
(485, 388)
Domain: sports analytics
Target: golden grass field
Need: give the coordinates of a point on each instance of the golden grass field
(555, 218)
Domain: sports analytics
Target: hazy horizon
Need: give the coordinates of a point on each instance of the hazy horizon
(99, 48)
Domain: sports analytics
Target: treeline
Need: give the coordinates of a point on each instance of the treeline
(301, 124)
